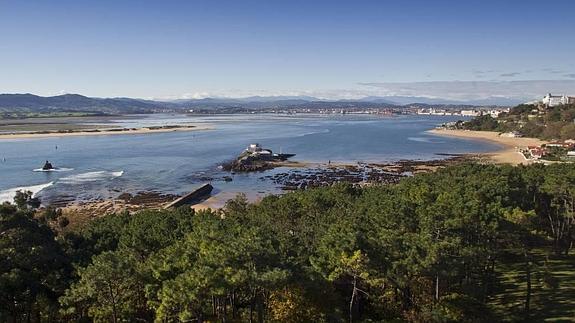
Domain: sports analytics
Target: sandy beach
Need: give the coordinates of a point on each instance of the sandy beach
(509, 152)
(102, 132)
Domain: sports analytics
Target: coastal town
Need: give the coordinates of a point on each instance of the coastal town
(551, 150)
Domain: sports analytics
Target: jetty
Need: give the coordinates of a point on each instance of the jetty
(192, 197)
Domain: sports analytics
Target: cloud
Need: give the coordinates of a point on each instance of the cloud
(448, 90)
(552, 70)
(512, 74)
(473, 90)
(571, 76)
(478, 73)
(185, 96)
(196, 95)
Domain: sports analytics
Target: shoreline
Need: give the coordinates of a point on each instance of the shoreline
(104, 132)
(300, 174)
(507, 154)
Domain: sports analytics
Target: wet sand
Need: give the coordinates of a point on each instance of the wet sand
(109, 131)
(509, 152)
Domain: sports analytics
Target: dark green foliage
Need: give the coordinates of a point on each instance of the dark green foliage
(482, 123)
(109, 289)
(24, 200)
(34, 271)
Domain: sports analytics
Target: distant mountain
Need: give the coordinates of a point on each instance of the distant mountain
(406, 100)
(248, 100)
(379, 99)
(75, 102)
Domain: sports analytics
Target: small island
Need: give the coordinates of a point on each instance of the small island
(256, 158)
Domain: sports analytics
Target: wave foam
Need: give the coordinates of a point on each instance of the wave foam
(63, 169)
(420, 139)
(90, 177)
(8, 195)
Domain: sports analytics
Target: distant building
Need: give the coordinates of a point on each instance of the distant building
(494, 113)
(254, 148)
(554, 100)
(470, 113)
(537, 152)
(559, 144)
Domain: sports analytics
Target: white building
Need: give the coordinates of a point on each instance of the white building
(555, 100)
(496, 112)
(470, 113)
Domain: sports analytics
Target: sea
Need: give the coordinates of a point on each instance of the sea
(105, 166)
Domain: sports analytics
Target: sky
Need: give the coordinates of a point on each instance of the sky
(329, 49)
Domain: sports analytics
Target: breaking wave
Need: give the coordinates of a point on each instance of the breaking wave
(90, 177)
(8, 195)
(63, 169)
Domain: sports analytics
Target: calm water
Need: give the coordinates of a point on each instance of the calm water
(103, 166)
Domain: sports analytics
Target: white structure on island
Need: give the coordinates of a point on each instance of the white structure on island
(252, 148)
(554, 100)
(257, 150)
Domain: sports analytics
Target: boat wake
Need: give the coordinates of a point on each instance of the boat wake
(8, 195)
(90, 177)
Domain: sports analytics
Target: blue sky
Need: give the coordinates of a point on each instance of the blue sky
(330, 49)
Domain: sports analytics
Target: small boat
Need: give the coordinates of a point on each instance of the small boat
(48, 166)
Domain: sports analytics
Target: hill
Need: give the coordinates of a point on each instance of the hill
(29, 105)
(23, 103)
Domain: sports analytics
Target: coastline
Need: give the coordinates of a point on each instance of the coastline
(311, 173)
(507, 154)
(103, 132)
(298, 175)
